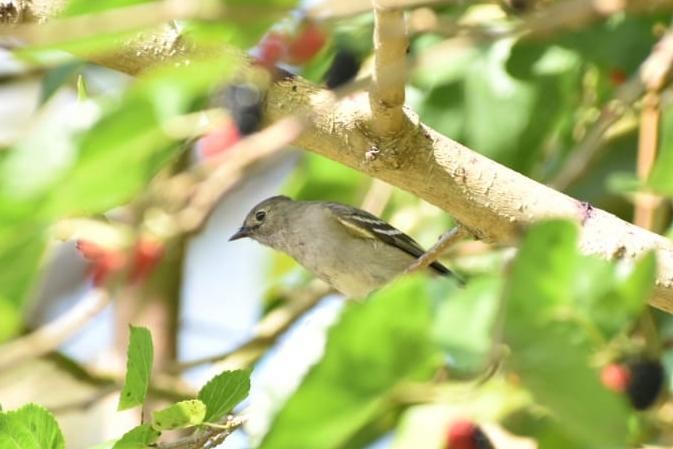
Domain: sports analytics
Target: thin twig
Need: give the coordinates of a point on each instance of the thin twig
(50, 336)
(647, 204)
(654, 73)
(209, 437)
(587, 150)
(445, 241)
(267, 331)
(83, 405)
(377, 197)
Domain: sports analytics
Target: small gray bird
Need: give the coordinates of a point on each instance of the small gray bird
(350, 249)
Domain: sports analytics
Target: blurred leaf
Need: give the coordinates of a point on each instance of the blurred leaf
(118, 156)
(138, 368)
(78, 7)
(323, 179)
(223, 392)
(179, 415)
(550, 353)
(55, 78)
(139, 437)
(609, 298)
(376, 345)
(621, 42)
(30, 427)
(10, 320)
(21, 247)
(543, 428)
(242, 24)
(443, 108)
(126, 148)
(660, 179)
(426, 425)
(464, 324)
(509, 119)
(81, 88)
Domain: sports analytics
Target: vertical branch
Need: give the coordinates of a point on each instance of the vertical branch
(653, 73)
(386, 95)
(647, 204)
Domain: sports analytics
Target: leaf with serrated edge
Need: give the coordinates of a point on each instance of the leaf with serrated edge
(223, 392)
(138, 368)
(30, 427)
(138, 438)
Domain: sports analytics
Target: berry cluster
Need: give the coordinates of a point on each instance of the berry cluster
(297, 48)
(641, 380)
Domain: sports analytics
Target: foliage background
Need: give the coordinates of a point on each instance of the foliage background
(397, 369)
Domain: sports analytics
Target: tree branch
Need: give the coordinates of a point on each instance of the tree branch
(493, 202)
(267, 331)
(448, 239)
(386, 95)
(49, 337)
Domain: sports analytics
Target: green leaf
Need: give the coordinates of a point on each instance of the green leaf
(526, 111)
(549, 350)
(375, 345)
(610, 298)
(223, 392)
(30, 427)
(78, 7)
(179, 415)
(55, 78)
(117, 157)
(464, 324)
(21, 248)
(242, 25)
(138, 438)
(10, 319)
(138, 368)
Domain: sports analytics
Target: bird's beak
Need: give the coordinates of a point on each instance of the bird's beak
(241, 233)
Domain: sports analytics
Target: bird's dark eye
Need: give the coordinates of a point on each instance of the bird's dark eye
(260, 215)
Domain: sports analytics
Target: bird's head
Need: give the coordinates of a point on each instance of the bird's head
(265, 220)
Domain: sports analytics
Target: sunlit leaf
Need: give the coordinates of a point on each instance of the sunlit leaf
(139, 437)
(138, 368)
(375, 345)
(223, 392)
(30, 427)
(551, 354)
(179, 415)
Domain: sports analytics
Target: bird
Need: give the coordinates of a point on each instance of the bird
(353, 251)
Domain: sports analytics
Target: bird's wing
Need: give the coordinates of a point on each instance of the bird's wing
(362, 224)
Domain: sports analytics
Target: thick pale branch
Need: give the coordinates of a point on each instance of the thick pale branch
(386, 95)
(493, 202)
